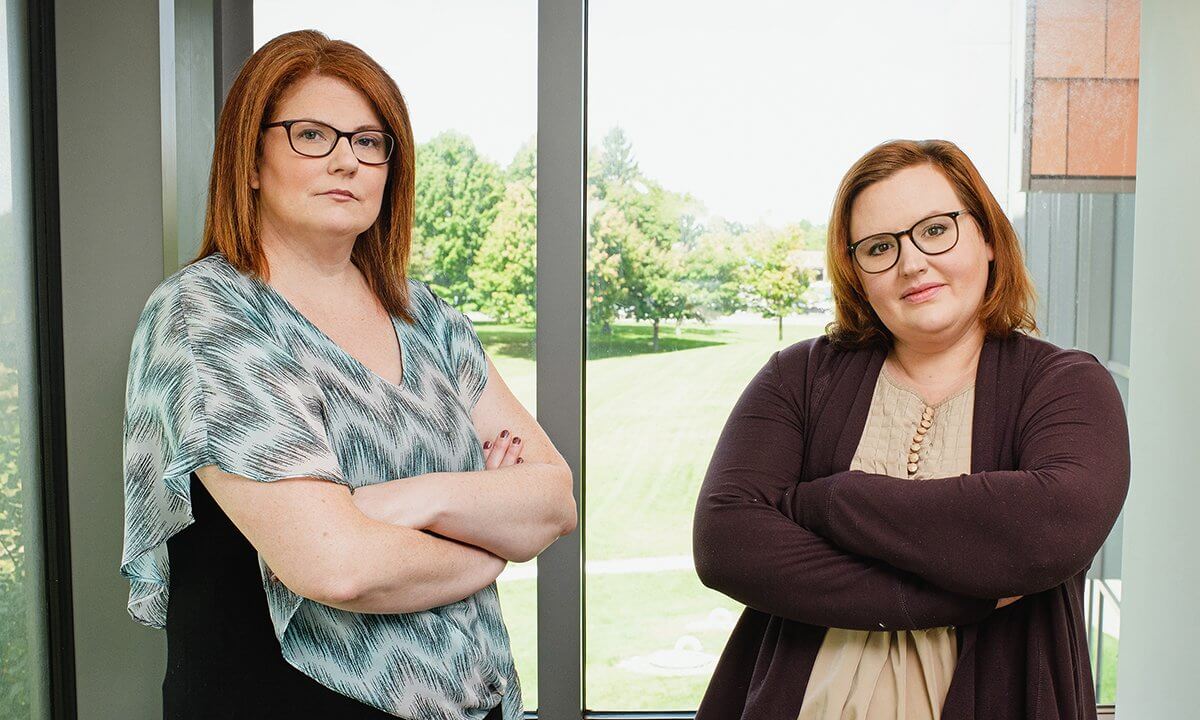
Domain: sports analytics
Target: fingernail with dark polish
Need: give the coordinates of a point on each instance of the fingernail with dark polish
(503, 433)
(487, 444)
(516, 441)
(520, 460)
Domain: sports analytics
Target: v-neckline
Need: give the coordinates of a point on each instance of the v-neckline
(397, 330)
(984, 447)
(904, 387)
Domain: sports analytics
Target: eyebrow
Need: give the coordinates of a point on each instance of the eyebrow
(360, 128)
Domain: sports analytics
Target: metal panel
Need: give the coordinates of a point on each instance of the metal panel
(560, 337)
(1037, 250)
(1093, 321)
(1122, 281)
(1064, 248)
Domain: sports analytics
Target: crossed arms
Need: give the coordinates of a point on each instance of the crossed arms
(410, 544)
(862, 551)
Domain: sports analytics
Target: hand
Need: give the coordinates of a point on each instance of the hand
(1005, 602)
(502, 452)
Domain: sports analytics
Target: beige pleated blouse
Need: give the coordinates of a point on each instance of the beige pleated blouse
(903, 674)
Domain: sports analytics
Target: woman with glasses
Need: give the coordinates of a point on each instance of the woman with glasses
(908, 504)
(309, 510)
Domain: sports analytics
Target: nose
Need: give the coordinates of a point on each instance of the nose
(912, 260)
(341, 159)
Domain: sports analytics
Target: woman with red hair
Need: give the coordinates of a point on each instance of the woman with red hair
(309, 511)
(908, 504)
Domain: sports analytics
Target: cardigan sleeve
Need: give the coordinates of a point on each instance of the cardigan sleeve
(747, 547)
(1004, 533)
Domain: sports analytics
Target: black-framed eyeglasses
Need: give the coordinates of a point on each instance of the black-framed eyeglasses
(315, 139)
(933, 235)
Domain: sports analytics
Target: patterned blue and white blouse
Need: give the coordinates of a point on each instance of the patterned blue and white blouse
(225, 371)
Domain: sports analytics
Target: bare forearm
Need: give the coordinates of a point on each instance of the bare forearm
(398, 570)
(514, 512)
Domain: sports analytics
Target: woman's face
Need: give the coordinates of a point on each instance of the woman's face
(294, 191)
(923, 299)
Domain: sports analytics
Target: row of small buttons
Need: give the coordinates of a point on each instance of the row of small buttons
(914, 454)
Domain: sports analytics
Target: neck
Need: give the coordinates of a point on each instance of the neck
(306, 266)
(939, 364)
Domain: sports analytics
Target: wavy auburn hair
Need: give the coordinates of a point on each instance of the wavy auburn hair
(1009, 298)
(231, 224)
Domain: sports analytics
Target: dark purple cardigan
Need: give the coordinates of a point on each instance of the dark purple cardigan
(782, 526)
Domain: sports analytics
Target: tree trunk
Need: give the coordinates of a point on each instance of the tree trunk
(781, 327)
(655, 334)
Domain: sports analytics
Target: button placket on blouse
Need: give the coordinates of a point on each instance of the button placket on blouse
(919, 438)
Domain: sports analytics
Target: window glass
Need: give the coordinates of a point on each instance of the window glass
(23, 662)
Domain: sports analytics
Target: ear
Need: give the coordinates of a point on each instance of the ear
(254, 178)
(991, 252)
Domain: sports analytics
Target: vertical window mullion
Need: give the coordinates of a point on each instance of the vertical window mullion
(560, 337)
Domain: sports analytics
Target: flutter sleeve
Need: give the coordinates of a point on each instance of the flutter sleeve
(207, 385)
(466, 362)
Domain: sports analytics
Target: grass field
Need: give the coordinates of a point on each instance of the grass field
(652, 421)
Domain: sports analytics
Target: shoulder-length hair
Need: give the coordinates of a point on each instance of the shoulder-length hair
(231, 225)
(1009, 298)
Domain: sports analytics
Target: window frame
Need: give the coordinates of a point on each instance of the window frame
(561, 372)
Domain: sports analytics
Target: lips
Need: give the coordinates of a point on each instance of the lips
(922, 292)
(341, 193)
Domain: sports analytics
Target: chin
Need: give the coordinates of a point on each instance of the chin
(344, 228)
(933, 325)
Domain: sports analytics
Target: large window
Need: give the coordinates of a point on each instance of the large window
(716, 134)
(715, 152)
(24, 668)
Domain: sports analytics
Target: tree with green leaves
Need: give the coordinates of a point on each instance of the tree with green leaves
(616, 166)
(712, 268)
(653, 259)
(772, 282)
(504, 276)
(457, 197)
(607, 229)
(637, 248)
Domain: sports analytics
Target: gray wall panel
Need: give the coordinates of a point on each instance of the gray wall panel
(112, 257)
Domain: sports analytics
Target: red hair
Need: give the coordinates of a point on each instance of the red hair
(231, 224)
(1009, 298)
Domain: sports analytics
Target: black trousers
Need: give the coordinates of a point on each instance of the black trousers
(494, 714)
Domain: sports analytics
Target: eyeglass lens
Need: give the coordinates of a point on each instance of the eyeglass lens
(317, 140)
(931, 236)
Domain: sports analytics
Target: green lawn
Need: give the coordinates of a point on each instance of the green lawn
(652, 421)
